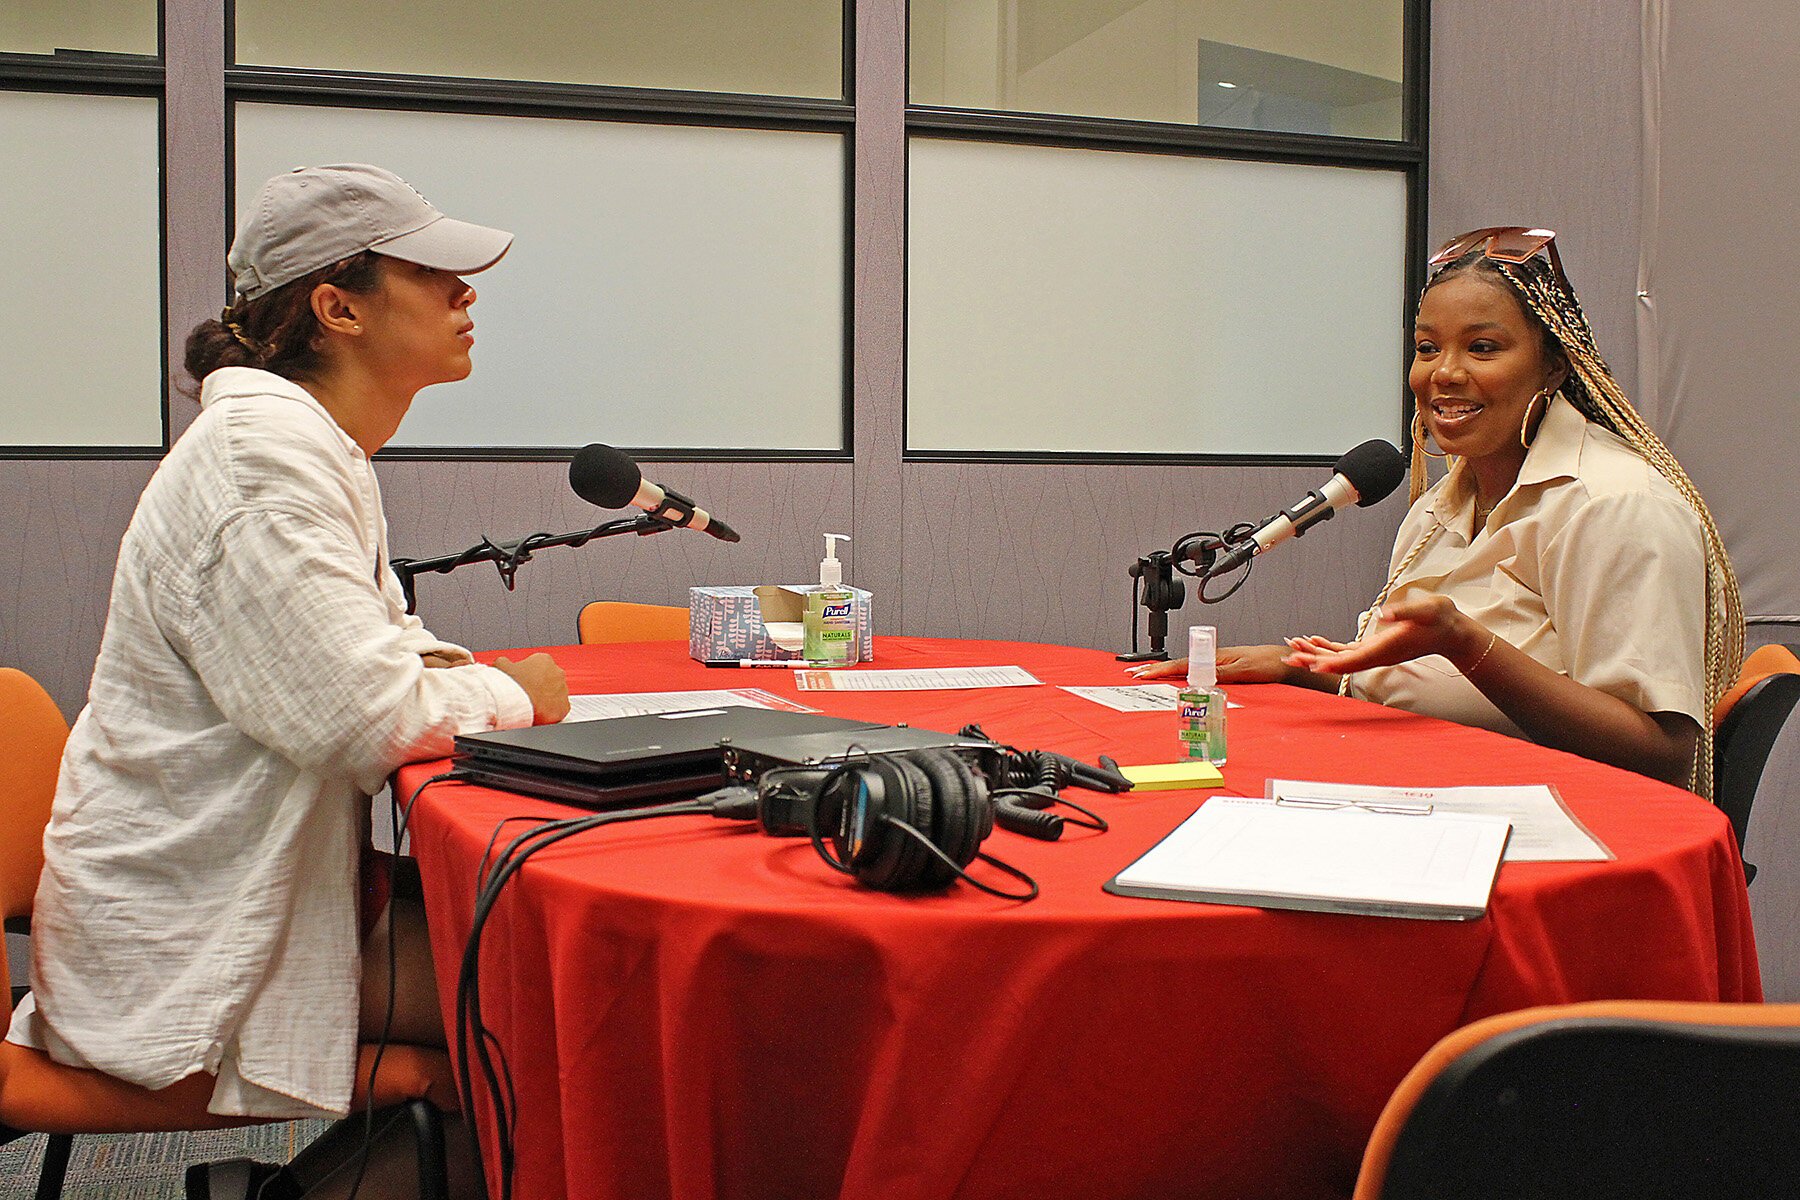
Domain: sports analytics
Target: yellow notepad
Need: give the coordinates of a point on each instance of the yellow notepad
(1156, 777)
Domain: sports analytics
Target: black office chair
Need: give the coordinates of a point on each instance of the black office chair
(1609, 1100)
(1749, 720)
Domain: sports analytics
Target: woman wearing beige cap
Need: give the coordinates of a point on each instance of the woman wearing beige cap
(259, 677)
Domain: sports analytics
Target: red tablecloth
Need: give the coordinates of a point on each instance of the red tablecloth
(691, 1009)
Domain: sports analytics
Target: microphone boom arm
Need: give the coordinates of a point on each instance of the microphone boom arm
(508, 557)
(1364, 476)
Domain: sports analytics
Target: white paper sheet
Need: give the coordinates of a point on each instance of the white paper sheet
(927, 679)
(1131, 697)
(1338, 858)
(631, 704)
(1136, 697)
(1544, 830)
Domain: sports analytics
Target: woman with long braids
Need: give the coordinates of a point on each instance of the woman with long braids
(1564, 580)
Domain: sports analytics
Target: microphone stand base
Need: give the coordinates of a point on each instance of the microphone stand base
(1144, 656)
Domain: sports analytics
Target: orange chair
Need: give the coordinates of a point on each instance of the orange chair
(1746, 723)
(1762, 663)
(40, 1095)
(1605, 1100)
(605, 621)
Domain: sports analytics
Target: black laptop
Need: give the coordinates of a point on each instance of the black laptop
(621, 761)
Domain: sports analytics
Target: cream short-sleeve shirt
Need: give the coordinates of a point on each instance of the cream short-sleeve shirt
(1593, 564)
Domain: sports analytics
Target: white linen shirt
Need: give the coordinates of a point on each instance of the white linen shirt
(1592, 564)
(258, 678)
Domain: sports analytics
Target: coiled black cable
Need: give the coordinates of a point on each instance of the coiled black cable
(1027, 783)
(1195, 553)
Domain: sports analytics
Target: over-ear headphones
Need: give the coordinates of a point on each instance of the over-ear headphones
(901, 822)
(911, 820)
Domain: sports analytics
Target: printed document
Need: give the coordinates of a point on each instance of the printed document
(926, 679)
(1135, 697)
(1544, 830)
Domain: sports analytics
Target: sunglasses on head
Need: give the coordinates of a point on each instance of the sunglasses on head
(1503, 243)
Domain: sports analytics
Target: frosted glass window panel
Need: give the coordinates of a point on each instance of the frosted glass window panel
(758, 47)
(669, 286)
(81, 321)
(91, 26)
(1087, 301)
(1297, 66)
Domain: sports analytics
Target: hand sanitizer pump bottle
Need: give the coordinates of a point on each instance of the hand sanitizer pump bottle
(1202, 704)
(829, 624)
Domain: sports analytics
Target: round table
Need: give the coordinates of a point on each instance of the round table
(691, 1009)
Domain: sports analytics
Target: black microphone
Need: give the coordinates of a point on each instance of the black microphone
(609, 478)
(1365, 475)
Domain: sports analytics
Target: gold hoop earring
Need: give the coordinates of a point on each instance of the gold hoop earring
(1526, 423)
(1418, 436)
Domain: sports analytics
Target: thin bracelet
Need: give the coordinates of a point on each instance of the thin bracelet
(1492, 638)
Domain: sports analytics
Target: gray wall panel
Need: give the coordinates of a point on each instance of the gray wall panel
(1772, 843)
(1041, 552)
(63, 522)
(1719, 315)
(194, 180)
(437, 508)
(1535, 120)
(878, 336)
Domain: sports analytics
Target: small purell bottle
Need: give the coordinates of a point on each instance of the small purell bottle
(828, 626)
(1202, 704)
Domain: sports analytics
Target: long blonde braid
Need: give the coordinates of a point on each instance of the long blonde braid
(1592, 389)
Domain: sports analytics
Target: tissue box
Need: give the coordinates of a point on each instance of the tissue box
(762, 622)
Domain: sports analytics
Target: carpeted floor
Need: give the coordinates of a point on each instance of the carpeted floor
(146, 1166)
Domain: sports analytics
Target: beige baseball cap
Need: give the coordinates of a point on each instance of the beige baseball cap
(314, 216)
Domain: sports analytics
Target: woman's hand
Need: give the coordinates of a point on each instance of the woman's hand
(1237, 664)
(544, 682)
(1548, 706)
(1159, 670)
(1256, 664)
(1411, 627)
(446, 657)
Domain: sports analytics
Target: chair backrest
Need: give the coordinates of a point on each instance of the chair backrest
(1776, 658)
(32, 733)
(1748, 721)
(1603, 1100)
(618, 621)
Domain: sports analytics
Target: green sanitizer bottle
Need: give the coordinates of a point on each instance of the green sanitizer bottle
(1202, 704)
(829, 622)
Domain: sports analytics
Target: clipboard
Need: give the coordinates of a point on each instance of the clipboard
(1325, 855)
